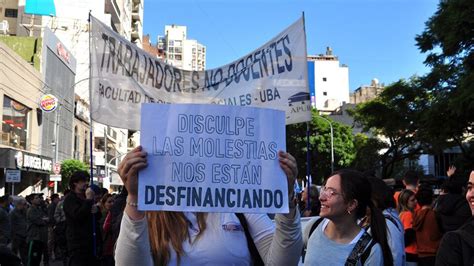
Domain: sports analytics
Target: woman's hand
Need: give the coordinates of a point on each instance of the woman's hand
(129, 167)
(289, 166)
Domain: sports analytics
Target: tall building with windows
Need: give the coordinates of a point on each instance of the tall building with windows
(68, 20)
(328, 81)
(181, 52)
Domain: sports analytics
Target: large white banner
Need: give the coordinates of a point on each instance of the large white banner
(124, 76)
(212, 158)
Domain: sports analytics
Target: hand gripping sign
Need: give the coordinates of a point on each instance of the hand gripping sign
(212, 158)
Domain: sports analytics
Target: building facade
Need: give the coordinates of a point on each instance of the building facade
(328, 82)
(367, 92)
(68, 19)
(21, 85)
(8, 17)
(181, 52)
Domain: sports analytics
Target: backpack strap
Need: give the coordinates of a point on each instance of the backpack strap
(366, 253)
(391, 219)
(257, 260)
(314, 226)
(359, 249)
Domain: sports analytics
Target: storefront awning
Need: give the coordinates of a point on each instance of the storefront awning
(25, 161)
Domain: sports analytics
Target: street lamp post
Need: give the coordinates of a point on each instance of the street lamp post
(55, 143)
(332, 142)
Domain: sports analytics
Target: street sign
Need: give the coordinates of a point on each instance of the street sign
(55, 178)
(57, 168)
(13, 176)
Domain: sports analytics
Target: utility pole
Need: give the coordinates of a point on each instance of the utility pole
(56, 144)
(332, 142)
(106, 168)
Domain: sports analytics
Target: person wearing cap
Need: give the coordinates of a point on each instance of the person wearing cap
(37, 230)
(18, 226)
(80, 210)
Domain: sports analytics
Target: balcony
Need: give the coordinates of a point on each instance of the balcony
(136, 30)
(137, 12)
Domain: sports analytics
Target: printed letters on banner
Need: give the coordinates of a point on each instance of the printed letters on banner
(124, 76)
(212, 158)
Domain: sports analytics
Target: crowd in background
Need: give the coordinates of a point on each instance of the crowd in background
(417, 219)
(421, 228)
(35, 230)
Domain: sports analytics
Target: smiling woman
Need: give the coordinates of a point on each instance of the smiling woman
(344, 199)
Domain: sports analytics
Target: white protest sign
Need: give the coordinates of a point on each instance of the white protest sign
(123, 77)
(56, 178)
(212, 158)
(13, 176)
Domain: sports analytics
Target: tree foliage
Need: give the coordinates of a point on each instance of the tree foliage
(68, 167)
(394, 115)
(433, 112)
(448, 40)
(320, 146)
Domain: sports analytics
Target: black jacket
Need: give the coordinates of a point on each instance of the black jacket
(452, 211)
(457, 247)
(79, 225)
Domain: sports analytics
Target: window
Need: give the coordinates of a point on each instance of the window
(325, 79)
(14, 123)
(11, 13)
(76, 143)
(86, 147)
(325, 93)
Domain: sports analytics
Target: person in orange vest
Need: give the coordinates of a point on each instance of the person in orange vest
(411, 181)
(406, 210)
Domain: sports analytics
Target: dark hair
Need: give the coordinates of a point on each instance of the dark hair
(78, 176)
(54, 196)
(66, 191)
(424, 196)
(355, 186)
(452, 185)
(411, 178)
(382, 194)
(4, 199)
(313, 192)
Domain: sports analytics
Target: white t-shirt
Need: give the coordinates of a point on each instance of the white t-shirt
(323, 251)
(222, 243)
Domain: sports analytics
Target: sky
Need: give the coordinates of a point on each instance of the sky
(374, 38)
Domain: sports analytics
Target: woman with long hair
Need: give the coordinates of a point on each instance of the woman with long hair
(335, 238)
(406, 209)
(184, 238)
(382, 197)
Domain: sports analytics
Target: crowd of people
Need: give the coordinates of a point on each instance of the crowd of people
(356, 219)
(35, 231)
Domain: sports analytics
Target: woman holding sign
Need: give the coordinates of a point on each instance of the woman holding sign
(183, 238)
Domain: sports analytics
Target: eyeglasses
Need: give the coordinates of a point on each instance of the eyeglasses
(328, 192)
